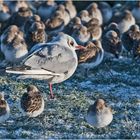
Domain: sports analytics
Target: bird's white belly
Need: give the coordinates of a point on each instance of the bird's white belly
(35, 113)
(100, 120)
(15, 56)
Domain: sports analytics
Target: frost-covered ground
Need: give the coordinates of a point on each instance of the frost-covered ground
(117, 81)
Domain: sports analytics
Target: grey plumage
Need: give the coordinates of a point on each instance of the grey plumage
(56, 60)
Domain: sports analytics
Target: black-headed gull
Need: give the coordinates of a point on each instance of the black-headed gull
(99, 114)
(32, 102)
(4, 109)
(54, 61)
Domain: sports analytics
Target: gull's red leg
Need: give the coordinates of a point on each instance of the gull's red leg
(51, 92)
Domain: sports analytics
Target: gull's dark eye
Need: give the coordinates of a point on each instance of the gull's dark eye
(72, 43)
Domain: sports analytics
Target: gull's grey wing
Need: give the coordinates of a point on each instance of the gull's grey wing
(51, 57)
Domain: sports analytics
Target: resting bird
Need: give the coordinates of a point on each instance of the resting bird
(94, 12)
(4, 109)
(13, 45)
(54, 61)
(112, 43)
(99, 114)
(81, 35)
(36, 34)
(128, 38)
(32, 102)
(54, 25)
(94, 28)
(91, 57)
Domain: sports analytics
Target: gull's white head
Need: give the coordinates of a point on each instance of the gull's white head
(68, 41)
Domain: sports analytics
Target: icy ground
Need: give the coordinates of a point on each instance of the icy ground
(117, 81)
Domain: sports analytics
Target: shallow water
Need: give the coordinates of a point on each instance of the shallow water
(117, 81)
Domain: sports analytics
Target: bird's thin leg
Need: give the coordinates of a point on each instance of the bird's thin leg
(51, 92)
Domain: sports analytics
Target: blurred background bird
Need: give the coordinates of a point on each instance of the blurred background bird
(112, 44)
(13, 45)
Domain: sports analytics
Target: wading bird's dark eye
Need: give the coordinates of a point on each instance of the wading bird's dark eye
(72, 43)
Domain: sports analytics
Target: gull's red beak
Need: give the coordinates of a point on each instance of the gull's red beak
(79, 47)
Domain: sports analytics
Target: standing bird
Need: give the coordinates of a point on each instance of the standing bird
(128, 38)
(94, 12)
(54, 61)
(112, 44)
(99, 114)
(81, 35)
(32, 102)
(4, 109)
(13, 45)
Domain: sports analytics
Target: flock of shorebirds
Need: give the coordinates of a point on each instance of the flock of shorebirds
(39, 40)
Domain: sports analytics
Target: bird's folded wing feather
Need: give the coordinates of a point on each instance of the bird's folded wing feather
(51, 58)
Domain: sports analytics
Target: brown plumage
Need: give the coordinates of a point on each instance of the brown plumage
(4, 109)
(129, 37)
(112, 43)
(54, 25)
(88, 53)
(32, 103)
(32, 100)
(94, 28)
(36, 34)
(3, 105)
